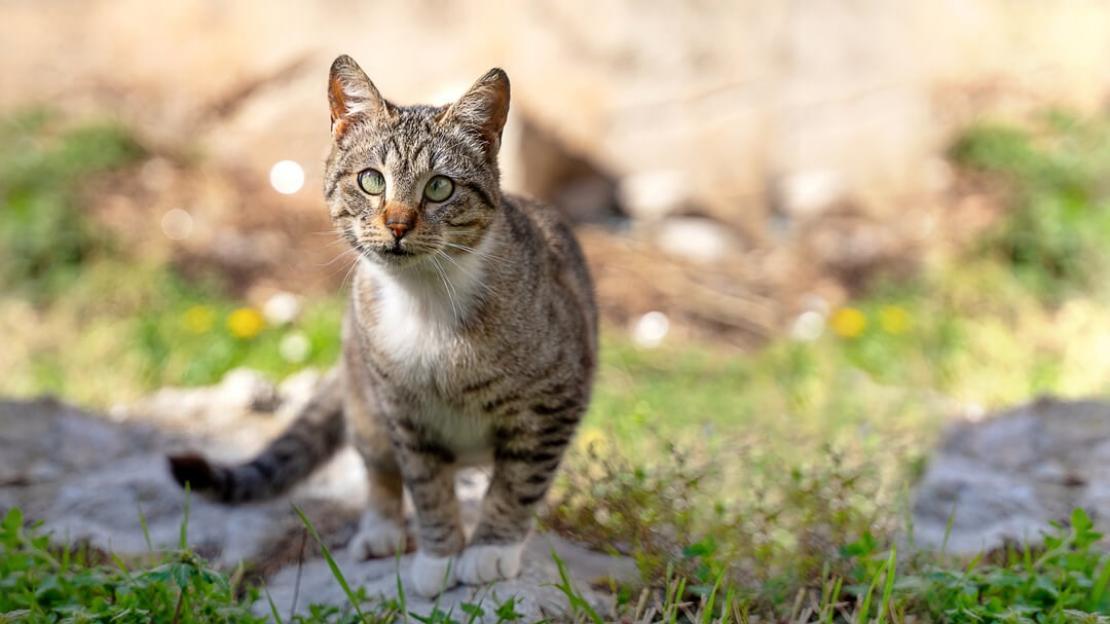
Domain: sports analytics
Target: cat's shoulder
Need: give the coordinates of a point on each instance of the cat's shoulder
(548, 222)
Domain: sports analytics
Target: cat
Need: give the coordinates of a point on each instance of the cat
(470, 336)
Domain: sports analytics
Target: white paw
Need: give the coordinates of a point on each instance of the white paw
(430, 575)
(485, 563)
(378, 536)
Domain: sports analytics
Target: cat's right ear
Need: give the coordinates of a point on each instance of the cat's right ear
(352, 96)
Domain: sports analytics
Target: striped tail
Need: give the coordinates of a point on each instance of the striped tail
(300, 449)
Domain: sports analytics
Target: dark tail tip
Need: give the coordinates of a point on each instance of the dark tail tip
(194, 470)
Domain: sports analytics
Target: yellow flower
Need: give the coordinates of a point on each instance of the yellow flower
(198, 319)
(592, 438)
(245, 323)
(848, 322)
(894, 319)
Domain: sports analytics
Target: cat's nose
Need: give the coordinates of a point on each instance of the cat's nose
(399, 219)
(399, 229)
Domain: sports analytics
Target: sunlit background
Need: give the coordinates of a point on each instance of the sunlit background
(818, 229)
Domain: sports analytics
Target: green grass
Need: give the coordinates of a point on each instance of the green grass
(768, 485)
(1065, 581)
(41, 581)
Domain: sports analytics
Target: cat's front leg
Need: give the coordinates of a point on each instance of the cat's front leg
(381, 529)
(526, 458)
(428, 469)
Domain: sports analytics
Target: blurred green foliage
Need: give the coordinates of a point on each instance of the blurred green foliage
(1056, 235)
(129, 326)
(90, 320)
(44, 237)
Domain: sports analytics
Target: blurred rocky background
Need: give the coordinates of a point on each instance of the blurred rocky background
(732, 164)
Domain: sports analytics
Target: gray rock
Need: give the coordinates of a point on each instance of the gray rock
(92, 480)
(97, 481)
(1006, 478)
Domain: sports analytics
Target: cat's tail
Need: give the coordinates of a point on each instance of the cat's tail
(312, 438)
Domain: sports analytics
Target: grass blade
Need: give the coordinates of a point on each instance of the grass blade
(401, 599)
(145, 526)
(864, 610)
(949, 523)
(273, 607)
(1099, 587)
(183, 540)
(829, 608)
(888, 587)
(300, 570)
(332, 565)
(577, 602)
(707, 613)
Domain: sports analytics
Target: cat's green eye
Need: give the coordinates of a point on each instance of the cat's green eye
(372, 181)
(439, 188)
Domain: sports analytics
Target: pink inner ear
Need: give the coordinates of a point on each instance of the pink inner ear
(337, 99)
(484, 110)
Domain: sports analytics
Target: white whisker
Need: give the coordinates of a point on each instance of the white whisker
(350, 271)
(338, 257)
(476, 279)
(485, 255)
(446, 287)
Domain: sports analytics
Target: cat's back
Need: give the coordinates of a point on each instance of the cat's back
(543, 226)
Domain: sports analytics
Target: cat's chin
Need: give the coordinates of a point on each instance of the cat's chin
(397, 259)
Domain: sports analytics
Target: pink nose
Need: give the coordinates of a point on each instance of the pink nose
(399, 229)
(399, 218)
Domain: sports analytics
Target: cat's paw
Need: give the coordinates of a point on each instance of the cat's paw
(431, 575)
(485, 563)
(378, 536)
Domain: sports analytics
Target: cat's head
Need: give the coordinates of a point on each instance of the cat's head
(408, 183)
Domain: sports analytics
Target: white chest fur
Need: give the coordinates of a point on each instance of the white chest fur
(414, 320)
(417, 313)
(416, 330)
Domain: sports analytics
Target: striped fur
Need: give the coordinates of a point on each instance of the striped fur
(470, 339)
(311, 439)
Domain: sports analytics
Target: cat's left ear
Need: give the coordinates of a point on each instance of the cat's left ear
(351, 96)
(484, 109)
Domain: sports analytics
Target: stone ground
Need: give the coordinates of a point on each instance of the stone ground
(1005, 478)
(90, 476)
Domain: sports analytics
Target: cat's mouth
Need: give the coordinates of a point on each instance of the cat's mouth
(397, 255)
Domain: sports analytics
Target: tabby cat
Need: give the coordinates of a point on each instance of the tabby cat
(471, 335)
